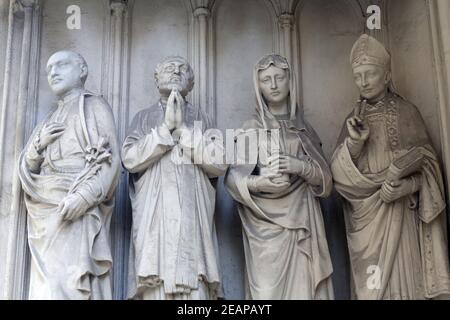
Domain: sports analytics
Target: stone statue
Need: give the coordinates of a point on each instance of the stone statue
(174, 251)
(286, 251)
(388, 173)
(69, 171)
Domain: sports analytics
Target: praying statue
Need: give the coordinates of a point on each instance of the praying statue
(172, 159)
(69, 170)
(388, 174)
(286, 251)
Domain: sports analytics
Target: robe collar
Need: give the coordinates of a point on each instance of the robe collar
(294, 124)
(388, 98)
(71, 95)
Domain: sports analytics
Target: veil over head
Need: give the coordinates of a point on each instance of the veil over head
(267, 118)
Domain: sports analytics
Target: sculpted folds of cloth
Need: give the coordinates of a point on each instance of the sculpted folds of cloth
(174, 252)
(69, 171)
(388, 174)
(286, 251)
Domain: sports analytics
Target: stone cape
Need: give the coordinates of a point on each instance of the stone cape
(405, 122)
(377, 231)
(60, 269)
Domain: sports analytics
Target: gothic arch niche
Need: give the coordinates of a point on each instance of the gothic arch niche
(49, 34)
(159, 28)
(244, 31)
(327, 31)
(86, 41)
(412, 60)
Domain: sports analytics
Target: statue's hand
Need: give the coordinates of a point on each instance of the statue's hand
(358, 129)
(357, 126)
(394, 190)
(170, 118)
(72, 207)
(49, 134)
(281, 163)
(179, 111)
(267, 184)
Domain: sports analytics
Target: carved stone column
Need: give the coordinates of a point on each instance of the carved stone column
(440, 32)
(202, 15)
(201, 52)
(287, 23)
(117, 11)
(115, 87)
(289, 40)
(18, 108)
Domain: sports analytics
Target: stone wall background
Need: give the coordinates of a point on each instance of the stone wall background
(236, 34)
(412, 56)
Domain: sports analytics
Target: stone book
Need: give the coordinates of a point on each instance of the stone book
(406, 165)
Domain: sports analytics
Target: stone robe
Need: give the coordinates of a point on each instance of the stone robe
(174, 252)
(403, 243)
(286, 251)
(72, 259)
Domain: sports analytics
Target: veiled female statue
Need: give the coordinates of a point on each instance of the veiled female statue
(286, 251)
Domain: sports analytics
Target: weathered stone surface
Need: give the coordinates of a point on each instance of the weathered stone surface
(221, 39)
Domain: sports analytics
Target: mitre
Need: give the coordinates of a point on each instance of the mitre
(368, 50)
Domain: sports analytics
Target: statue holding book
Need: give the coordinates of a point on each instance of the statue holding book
(388, 173)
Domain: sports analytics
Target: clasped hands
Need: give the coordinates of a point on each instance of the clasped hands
(279, 165)
(174, 111)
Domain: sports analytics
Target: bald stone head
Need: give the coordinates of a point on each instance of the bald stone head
(174, 73)
(66, 70)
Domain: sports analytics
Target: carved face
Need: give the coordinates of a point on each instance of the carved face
(174, 74)
(372, 81)
(274, 84)
(65, 72)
